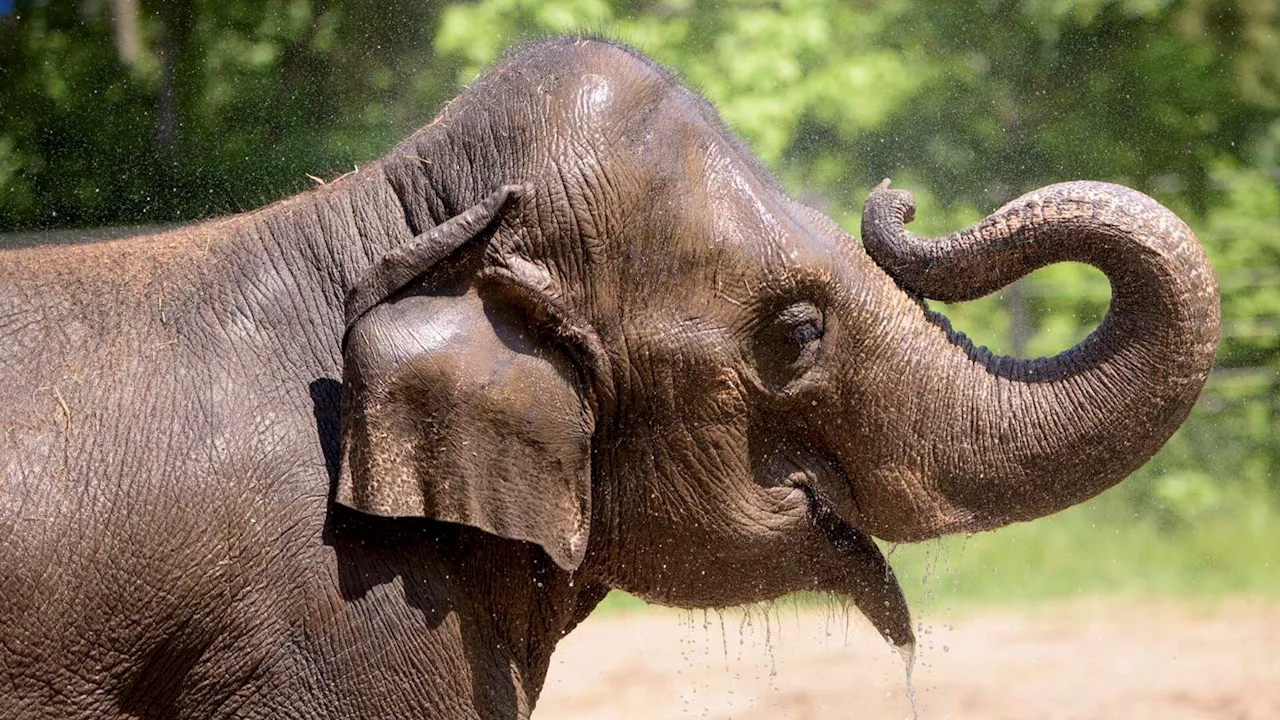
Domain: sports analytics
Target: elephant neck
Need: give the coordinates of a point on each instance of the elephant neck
(288, 266)
(324, 240)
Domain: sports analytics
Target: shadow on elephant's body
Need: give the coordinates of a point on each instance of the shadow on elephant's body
(374, 554)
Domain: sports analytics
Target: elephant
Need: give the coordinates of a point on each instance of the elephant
(372, 450)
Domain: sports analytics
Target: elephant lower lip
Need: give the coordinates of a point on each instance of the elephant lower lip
(867, 576)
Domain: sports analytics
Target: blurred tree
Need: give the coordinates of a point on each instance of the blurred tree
(116, 112)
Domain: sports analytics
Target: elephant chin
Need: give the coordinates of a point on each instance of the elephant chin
(865, 576)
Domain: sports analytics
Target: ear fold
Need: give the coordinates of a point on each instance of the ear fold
(402, 265)
(454, 409)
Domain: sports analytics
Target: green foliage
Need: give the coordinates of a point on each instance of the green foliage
(1102, 548)
(231, 103)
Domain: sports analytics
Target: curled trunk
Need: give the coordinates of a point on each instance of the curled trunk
(995, 440)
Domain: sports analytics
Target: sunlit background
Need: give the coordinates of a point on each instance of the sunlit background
(137, 113)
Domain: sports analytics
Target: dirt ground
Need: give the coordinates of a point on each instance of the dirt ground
(1076, 660)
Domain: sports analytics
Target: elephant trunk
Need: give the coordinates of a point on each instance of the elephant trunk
(990, 440)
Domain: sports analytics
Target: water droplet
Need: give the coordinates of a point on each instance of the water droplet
(908, 653)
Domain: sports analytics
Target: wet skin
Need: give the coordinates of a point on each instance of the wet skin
(372, 450)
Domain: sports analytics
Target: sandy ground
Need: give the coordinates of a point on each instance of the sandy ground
(1077, 660)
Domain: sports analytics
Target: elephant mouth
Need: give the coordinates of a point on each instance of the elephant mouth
(863, 572)
(828, 488)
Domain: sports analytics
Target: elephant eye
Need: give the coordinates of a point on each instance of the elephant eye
(801, 322)
(786, 343)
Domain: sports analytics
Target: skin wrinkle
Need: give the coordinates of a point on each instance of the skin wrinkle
(623, 314)
(1138, 245)
(149, 393)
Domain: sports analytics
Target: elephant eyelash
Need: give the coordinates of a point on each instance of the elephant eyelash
(804, 322)
(804, 334)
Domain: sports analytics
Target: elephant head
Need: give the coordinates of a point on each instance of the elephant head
(616, 337)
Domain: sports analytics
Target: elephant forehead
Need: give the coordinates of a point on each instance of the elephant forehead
(593, 99)
(754, 223)
(715, 221)
(739, 200)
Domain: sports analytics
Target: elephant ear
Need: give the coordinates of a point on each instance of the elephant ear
(457, 405)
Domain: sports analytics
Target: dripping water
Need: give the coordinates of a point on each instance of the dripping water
(768, 643)
(724, 638)
(908, 653)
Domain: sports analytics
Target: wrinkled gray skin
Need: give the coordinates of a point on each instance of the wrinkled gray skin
(630, 363)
